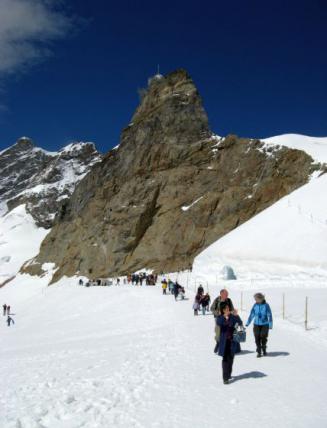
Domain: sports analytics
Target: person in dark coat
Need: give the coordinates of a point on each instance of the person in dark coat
(10, 320)
(196, 304)
(176, 289)
(227, 348)
(200, 290)
(263, 321)
(4, 309)
(205, 303)
(216, 310)
(8, 309)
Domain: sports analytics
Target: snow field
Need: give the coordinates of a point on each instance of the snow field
(130, 357)
(20, 240)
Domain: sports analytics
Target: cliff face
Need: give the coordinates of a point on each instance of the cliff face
(41, 179)
(169, 190)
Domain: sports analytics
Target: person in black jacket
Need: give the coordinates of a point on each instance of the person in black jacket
(200, 290)
(227, 347)
(10, 320)
(216, 310)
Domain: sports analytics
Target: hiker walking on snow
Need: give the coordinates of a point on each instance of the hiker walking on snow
(170, 286)
(196, 304)
(216, 310)
(4, 309)
(10, 320)
(176, 289)
(200, 290)
(263, 321)
(8, 309)
(205, 302)
(227, 323)
(164, 286)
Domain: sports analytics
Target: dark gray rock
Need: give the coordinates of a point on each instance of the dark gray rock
(42, 180)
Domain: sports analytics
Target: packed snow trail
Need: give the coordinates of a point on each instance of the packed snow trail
(131, 357)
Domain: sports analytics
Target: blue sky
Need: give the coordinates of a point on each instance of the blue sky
(73, 71)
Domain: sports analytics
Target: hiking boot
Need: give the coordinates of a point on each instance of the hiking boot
(226, 382)
(264, 352)
(259, 355)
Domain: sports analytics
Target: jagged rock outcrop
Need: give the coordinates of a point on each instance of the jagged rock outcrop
(42, 180)
(169, 190)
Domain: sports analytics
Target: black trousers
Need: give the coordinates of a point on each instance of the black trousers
(261, 337)
(228, 360)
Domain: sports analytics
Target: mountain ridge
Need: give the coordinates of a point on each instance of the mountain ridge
(41, 179)
(127, 213)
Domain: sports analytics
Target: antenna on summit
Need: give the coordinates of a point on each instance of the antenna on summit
(158, 69)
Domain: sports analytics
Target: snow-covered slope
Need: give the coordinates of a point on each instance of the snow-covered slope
(289, 238)
(121, 357)
(20, 240)
(316, 147)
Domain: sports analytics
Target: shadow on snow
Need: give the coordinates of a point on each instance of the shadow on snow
(249, 375)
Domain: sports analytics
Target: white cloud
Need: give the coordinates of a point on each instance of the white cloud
(27, 28)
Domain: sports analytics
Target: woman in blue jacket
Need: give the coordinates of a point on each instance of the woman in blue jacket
(227, 346)
(263, 321)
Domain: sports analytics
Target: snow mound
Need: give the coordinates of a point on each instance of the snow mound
(316, 147)
(287, 239)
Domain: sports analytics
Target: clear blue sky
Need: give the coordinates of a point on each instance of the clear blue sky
(260, 66)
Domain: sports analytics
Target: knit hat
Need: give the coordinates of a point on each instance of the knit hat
(259, 296)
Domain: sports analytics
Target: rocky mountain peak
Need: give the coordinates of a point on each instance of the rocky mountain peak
(24, 144)
(171, 189)
(170, 112)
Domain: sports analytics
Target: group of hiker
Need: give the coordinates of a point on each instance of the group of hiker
(201, 302)
(229, 330)
(6, 312)
(174, 288)
(131, 279)
(140, 278)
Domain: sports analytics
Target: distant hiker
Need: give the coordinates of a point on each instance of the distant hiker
(227, 346)
(118, 281)
(216, 310)
(10, 320)
(176, 289)
(170, 286)
(200, 290)
(181, 292)
(4, 309)
(205, 302)
(80, 282)
(8, 309)
(164, 286)
(196, 304)
(263, 321)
